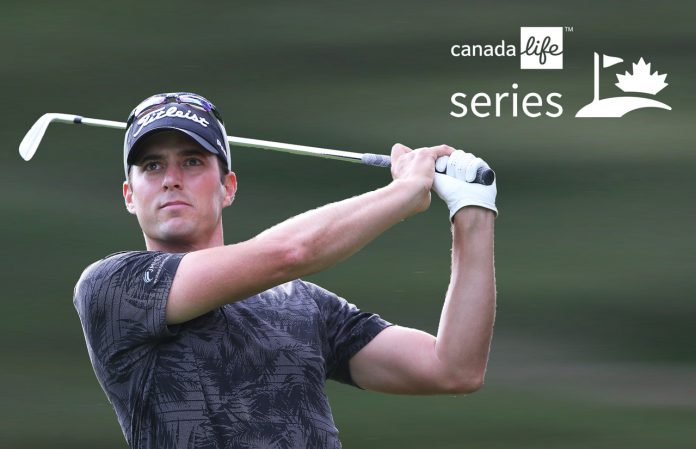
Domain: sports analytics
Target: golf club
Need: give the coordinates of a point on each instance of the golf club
(31, 141)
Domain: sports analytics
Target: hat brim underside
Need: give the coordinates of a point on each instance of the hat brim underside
(200, 140)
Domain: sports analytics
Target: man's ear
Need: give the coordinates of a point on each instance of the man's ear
(230, 186)
(128, 197)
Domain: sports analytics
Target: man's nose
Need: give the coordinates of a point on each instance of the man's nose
(173, 177)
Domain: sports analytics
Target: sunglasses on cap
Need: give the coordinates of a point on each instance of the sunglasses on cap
(186, 98)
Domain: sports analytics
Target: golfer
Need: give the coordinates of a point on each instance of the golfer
(198, 344)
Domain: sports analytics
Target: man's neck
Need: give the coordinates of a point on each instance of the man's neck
(184, 246)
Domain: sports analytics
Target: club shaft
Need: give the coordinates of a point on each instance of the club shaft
(296, 149)
(239, 141)
(101, 123)
(33, 137)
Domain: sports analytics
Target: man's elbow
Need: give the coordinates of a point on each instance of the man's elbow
(294, 259)
(466, 383)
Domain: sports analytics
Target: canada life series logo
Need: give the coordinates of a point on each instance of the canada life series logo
(541, 48)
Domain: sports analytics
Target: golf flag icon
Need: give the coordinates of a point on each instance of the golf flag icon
(608, 61)
(641, 80)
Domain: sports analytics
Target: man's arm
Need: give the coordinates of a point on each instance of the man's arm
(403, 360)
(304, 244)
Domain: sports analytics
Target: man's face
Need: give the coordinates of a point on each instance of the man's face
(176, 191)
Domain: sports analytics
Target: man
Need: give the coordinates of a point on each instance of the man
(198, 344)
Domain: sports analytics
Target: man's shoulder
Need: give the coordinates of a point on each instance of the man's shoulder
(119, 259)
(301, 293)
(297, 287)
(117, 266)
(294, 294)
(98, 270)
(108, 263)
(282, 292)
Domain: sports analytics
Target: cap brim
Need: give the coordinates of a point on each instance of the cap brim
(135, 148)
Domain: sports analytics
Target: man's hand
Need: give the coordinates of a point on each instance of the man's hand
(456, 188)
(416, 168)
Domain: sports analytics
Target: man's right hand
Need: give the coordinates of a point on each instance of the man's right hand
(416, 169)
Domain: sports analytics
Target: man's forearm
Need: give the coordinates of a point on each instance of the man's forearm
(466, 324)
(331, 233)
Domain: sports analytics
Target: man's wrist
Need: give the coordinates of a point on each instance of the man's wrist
(473, 217)
(414, 194)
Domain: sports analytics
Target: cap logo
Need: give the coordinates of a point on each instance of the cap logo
(172, 111)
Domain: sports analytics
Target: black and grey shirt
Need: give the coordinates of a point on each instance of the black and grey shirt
(247, 375)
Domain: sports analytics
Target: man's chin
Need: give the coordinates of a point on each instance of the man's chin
(179, 231)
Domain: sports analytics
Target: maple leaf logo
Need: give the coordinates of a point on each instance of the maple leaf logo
(641, 80)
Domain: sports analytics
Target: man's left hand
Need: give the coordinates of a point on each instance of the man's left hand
(455, 186)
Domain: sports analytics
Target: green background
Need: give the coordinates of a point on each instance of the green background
(594, 344)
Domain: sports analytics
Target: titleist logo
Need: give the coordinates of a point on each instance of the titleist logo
(160, 113)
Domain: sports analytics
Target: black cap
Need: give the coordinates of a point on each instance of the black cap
(201, 126)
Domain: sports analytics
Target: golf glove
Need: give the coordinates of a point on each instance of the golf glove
(455, 186)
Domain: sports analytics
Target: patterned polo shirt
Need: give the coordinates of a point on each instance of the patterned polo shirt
(250, 374)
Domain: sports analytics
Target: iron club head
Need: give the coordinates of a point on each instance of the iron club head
(30, 142)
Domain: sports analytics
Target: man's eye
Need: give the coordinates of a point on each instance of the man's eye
(150, 166)
(193, 161)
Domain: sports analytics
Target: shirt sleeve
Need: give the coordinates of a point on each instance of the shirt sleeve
(121, 301)
(348, 329)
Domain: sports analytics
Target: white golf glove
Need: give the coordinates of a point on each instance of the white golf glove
(456, 188)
